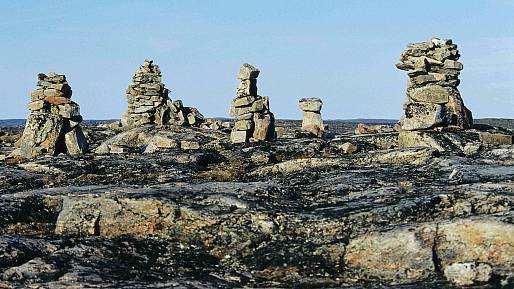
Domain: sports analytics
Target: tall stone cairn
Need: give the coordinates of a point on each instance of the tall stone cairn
(312, 122)
(53, 125)
(149, 103)
(433, 98)
(253, 119)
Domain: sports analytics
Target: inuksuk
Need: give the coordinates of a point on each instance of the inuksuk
(312, 122)
(149, 103)
(253, 119)
(53, 124)
(433, 102)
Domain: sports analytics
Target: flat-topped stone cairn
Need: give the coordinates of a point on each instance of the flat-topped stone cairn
(433, 98)
(53, 124)
(312, 122)
(149, 103)
(253, 119)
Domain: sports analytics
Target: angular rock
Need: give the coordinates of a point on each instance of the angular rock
(348, 148)
(312, 123)
(423, 116)
(247, 71)
(239, 136)
(264, 126)
(43, 134)
(76, 143)
(431, 94)
(312, 104)
(37, 105)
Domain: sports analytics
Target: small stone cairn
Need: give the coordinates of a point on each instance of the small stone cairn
(253, 119)
(312, 122)
(433, 98)
(148, 102)
(53, 125)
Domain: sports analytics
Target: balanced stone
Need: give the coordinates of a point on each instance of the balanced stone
(433, 99)
(312, 122)
(247, 71)
(53, 123)
(253, 119)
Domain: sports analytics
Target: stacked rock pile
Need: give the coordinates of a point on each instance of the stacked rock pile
(253, 119)
(53, 125)
(148, 101)
(312, 122)
(433, 98)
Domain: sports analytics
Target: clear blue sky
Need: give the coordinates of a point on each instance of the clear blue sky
(342, 51)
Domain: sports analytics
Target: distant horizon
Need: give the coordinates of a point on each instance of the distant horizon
(343, 52)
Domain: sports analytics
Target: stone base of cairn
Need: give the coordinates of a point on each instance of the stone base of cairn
(312, 123)
(433, 98)
(148, 102)
(53, 125)
(253, 118)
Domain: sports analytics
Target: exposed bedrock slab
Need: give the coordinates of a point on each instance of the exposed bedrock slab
(113, 217)
(420, 251)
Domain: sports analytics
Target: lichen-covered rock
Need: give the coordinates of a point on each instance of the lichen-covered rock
(312, 122)
(52, 126)
(480, 240)
(149, 103)
(253, 119)
(113, 217)
(433, 97)
(422, 116)
(404, 254)
(466, 274)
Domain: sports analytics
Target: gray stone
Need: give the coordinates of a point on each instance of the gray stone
(452, 64)
(310, 104)
(143, 109)
(422, 116)
(239, 136)
(42, 135)
(68, 110)
(243, 101)
(247, 71)
(467, 274)
(312, 123)
(431, 94)
(244, 124)
(76, 142)
(428, 78)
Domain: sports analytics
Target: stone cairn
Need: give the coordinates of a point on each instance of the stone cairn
(312, 122)
(53, 125)
(433, 98)
(148, 102)
(253, 119)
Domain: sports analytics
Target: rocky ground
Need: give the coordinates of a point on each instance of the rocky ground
(178, 207)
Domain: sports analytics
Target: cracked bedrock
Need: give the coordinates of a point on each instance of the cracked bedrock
(197, 211)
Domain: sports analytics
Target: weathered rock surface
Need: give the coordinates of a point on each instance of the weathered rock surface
(297, 212)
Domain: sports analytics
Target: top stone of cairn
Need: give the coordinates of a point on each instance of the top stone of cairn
(247, 71)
